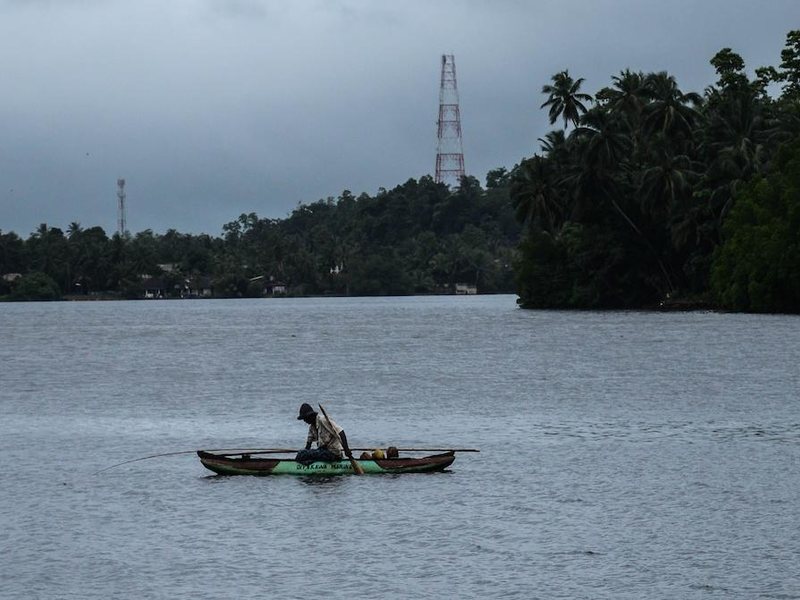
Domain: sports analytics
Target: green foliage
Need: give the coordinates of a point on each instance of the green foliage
(542, 271)
(91, 261)
(583, 266)
(497, 178)
(629, 207)
(35, 286)
(232, 286)
(12, 253)
(790, 65)
(758, 266)
(419, 237)
(730, 68)
(380, 275)
(47, 252)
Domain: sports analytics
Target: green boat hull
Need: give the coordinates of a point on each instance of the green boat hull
(247, 465)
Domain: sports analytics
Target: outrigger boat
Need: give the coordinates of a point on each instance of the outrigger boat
(245, 463)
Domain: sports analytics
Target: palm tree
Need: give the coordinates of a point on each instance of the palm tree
(627, 95)
(604, 145)
(73, 229)
(671, 111)
(604, 151)
(565, 99)
(737, 139)
(555, 146)
(665, 183)
(737, 130)
(625, 100)
(600, 151)
(535, 195)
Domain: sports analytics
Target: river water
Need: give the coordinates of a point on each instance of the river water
(623, 454)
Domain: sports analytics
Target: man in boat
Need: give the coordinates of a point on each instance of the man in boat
(331, 439)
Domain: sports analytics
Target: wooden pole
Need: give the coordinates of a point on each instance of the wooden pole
(425, 449)
(236, 452)
(254, 452)
(356, 467)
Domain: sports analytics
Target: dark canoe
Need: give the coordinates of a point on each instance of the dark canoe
(245, 464)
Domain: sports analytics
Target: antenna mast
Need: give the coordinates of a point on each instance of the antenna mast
(121, 224)
(449, 149)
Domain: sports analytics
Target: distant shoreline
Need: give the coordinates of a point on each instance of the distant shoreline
(674, 305)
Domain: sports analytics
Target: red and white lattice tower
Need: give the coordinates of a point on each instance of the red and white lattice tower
(449, 149)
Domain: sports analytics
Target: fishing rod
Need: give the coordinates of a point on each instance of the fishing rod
(230, 450)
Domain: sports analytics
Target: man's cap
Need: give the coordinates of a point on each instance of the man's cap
(305, 410)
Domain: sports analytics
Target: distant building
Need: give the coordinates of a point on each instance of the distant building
(10, 277)
(466, 289)
(198, 287)
(274, 287)
(154, 288)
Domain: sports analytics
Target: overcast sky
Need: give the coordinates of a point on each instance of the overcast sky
(212, 108)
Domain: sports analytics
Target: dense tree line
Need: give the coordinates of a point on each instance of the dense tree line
(420, 237)
(650, 194)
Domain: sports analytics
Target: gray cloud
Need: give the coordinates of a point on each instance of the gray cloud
(210, 109)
